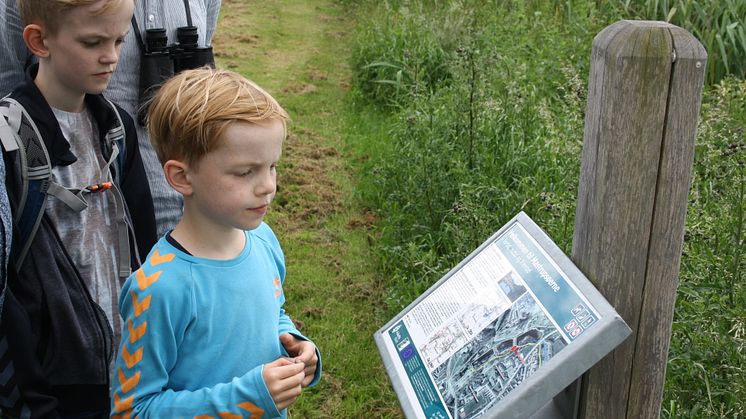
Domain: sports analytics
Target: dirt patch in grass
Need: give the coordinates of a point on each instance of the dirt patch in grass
(306, 191)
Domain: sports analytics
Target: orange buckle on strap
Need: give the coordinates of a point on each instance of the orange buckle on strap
(100, 187)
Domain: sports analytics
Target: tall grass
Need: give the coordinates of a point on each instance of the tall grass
(718, 24)
(468, 153)
(498, 128)
(707, 362)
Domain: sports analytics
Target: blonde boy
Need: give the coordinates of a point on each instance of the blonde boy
(60, 320)
(206, 330)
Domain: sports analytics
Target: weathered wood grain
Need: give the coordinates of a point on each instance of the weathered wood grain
(643, 105)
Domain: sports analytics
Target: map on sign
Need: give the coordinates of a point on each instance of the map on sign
(503, 318)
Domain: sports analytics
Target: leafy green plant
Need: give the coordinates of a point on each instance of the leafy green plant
(502, 133)
(718, 24)
(466, 156)
(398, 54)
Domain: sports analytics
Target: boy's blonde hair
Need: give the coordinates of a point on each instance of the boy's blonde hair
(190, 112)
(51, 12)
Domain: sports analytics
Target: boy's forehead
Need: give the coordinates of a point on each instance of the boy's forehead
(100, 17)
(97, 9)
(252, 141)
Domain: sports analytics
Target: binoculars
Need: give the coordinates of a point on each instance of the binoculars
(161, 61)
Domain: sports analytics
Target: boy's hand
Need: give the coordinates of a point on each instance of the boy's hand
(283, 378)
(303, 351)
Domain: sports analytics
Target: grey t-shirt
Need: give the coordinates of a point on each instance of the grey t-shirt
(91, 235)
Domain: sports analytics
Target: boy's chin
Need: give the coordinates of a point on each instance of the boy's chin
(96, 91)
(253, 225)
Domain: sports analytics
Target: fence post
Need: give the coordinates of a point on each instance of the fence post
(644, 96)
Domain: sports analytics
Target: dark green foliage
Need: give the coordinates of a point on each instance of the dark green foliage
(720, 25)
(486, 104)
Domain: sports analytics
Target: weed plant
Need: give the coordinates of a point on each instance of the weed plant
(502, 135)
(485, 119)
(718, 24)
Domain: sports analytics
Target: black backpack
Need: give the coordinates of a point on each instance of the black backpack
(18, 132)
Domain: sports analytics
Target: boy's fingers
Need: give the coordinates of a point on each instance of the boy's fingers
(289, 393)
(284, 371)
(280, 362)
(307, 380)
(285, 391)
(285, 367)
(310, 370)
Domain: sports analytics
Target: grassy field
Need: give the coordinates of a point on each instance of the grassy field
(420, 127)
(298, 51)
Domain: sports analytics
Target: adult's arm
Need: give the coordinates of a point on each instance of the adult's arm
(213, 12)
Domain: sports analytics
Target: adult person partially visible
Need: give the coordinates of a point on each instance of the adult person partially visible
(124, 86)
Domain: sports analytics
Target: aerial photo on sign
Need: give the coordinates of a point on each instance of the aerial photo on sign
(491, 324)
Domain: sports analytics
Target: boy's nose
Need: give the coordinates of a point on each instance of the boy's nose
(111, 56)
(268, 185)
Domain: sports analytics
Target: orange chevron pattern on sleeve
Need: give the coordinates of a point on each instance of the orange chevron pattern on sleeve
(123, 405)
(131, 359)
(143, 282)
(136, 332)
(140, 306)
(127, 384)
(255, 411)
(156, 258)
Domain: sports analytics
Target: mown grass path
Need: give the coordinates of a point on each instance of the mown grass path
(298, 51)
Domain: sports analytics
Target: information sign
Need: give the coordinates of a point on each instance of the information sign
(501, 334)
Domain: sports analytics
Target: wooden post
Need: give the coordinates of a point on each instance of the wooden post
(644, 96)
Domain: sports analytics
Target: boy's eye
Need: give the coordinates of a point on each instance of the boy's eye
(90, 44)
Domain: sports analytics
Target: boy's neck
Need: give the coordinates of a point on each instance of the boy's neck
(56, 95)
(208, 242)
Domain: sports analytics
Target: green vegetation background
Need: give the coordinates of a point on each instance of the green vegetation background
(486, 103)
(421, 126)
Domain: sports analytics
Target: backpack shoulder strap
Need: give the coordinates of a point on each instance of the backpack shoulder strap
(116, 140)
(18, 132)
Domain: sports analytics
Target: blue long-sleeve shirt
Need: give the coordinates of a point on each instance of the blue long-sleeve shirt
(197, 332)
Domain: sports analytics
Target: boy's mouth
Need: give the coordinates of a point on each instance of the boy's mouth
(261, 208)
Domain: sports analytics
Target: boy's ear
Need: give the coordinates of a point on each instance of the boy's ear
(176, 173)
(33, 36)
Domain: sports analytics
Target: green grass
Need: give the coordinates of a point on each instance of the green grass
(298, 51)
(706, 369)
(419, 127)
(501, 131)
(718, 24)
